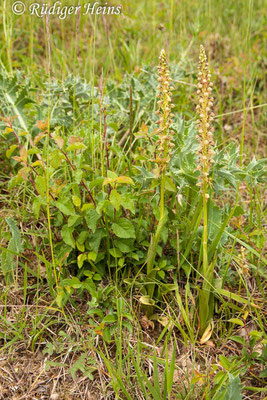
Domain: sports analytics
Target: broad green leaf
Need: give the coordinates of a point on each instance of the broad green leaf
(109, 318)
(236, 321)
(115, 199)
(97, 182)
(73, 219)
(36, 205)
(10, 150)
(76, 146)
(237, 339)
(263, 373)
(147, 300)
(73, 282)
(40, 183)
(80, 259)
(92, 256)
(56, 158)
(15, 234)
(124, 229)
(169, 185)
(60, 297)
(82, 237)
(66, 234)
(128, 203)
(109, 181)
(125, 179)
(65, 207)
(96, 238)
(78, 174)
(225, 362)
(33, 150)
(214, 219)
(80, 247)
(116, 253)
(234, 388)
(87, 206)
(124, 245)
(76, 201)
(92, 218)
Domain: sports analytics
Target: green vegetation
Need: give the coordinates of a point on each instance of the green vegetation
(132, 237)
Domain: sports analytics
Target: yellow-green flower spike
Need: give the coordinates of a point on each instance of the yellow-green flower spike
(165, 142)
(205, 118)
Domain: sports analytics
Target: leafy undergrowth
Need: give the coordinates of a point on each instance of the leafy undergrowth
(80, 199)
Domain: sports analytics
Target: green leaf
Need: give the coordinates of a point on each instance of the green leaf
(128, 203)
(76, 201)
(80, 247)
(15, 234)
(96, 238)
(236, 321)
(73, 282)
(92, 218)
(235, 297)
(87, 206)
(80, 259)
(88, 273)
(10, 151)
(214, 218)
(116, 253)
(238, 211)
(55, 158)
(66, 234)
(169, 185)
(125, 179)
(225, 362)
(76, 146)
(234, 388)
(78, 174)
(65, 207)
(115, 199)
(237, 339)
(36, 205)
(73, 219)
(60, 297)
(256, 334)
(147, 300)
(96, 182)
(91, 256)
(82, 237)
(79, 365)
(263, 373)
(124, 229)
(124, 245)
(109, 318)
(40, 183)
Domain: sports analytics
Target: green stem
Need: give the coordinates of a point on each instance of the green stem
(205, 231)
(204, 294)
(155, 238)
(162, 193)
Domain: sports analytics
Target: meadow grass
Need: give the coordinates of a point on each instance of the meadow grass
(97, 340)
